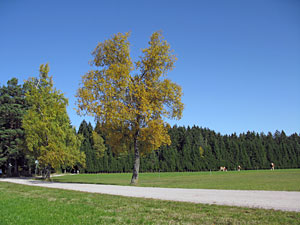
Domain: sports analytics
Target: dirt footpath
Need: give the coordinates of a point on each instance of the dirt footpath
(278, 200)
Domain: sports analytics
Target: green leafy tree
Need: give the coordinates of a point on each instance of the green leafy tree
(49, 135)
(98, 145)
(131, 100)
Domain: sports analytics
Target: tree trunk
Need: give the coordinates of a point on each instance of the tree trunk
(16, 172)
(47, 172)
(136, 166)
(29, 171)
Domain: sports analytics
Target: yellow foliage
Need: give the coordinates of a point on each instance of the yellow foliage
(129, 99)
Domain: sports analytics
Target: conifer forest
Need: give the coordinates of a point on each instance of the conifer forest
(191, 149)
(199, 149)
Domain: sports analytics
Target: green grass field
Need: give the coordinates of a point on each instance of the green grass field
(21, 204)
(278, 180)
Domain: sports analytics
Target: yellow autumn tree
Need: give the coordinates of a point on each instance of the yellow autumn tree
(131, 100)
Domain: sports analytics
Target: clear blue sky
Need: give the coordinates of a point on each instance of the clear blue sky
(238, 61)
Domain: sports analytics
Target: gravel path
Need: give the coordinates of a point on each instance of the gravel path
(278, 200)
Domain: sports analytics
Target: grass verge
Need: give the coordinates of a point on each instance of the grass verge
(20, 204)
(278, 180)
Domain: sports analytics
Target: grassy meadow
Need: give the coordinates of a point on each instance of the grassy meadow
(277, 180)
(21, 204)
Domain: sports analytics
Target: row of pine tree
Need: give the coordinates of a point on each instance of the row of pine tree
(192, 149)
(199, 149)
(12, 135)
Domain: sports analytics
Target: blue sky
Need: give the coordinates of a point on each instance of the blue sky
(238, 61)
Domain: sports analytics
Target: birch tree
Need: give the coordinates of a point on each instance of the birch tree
(131, 100)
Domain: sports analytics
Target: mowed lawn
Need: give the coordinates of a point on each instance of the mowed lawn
(21, 204)
(278, 180)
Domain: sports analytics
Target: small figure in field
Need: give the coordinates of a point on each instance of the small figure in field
(272, 166)
(223, 168)
(239, 168)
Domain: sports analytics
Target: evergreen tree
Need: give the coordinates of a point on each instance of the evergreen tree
(12, 109)
(200, 149)
(86, 145)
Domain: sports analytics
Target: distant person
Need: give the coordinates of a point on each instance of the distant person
(0, 172)
(272, 166)
(223, 168)
(239, 168)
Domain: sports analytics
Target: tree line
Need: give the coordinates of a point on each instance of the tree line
(197, 149)
(130, 101)
(191, 149)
